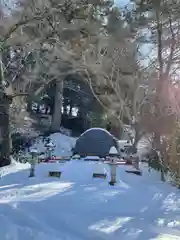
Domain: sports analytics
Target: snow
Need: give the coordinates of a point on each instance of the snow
(96, 129)
(124, 143)
(76, 156)
(92, 158)
(63, 143)
(78, 207)
(100, 168)
(143, 147)
(113, 150)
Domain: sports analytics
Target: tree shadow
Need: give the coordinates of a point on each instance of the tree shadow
(145, 223)
(91, 210)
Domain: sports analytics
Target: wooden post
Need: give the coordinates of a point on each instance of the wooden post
(56, 116)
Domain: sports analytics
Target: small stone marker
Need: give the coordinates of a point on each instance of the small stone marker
(55, 174)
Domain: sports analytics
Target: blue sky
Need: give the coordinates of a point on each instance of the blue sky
(146, 49)
(121, 3)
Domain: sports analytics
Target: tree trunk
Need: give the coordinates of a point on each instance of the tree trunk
(6, 144)
(5, 101)
(46, 109)
(161, 160)
(71, 107)
(38, 108)
(65, 103)
(137, 137)
(57, 111)
(163, 179)
(29, 106)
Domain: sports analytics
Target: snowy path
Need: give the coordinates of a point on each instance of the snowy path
(78, 207)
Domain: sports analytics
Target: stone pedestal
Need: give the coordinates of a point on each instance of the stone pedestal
(113, 174)
(32, 171)
(113, 154)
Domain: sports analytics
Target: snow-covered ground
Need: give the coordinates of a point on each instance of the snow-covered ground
(78, 207)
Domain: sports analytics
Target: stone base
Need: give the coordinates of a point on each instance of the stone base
(30, 176)
(55, 174)
(99, 175)
(111, 183)
(139, 173)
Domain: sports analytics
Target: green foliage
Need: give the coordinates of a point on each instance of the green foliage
(97, 119)
(154, 163)
(45, 123)
(175, 179)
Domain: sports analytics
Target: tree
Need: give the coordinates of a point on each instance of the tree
(161, 20)
(114, 74)
(79, 21)
(10, 81)
(163, 27)
(6, 97)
